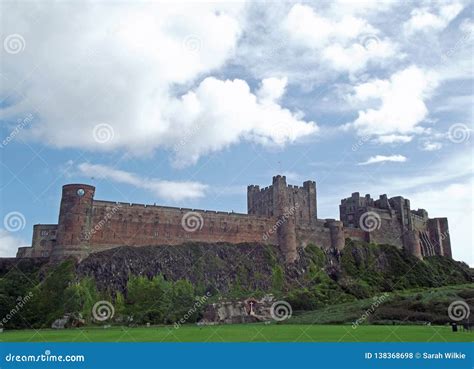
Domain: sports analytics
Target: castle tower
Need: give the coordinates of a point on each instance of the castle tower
(286, 219)
(74, 221)
(336, 232)
(412, 243)
(310, 188)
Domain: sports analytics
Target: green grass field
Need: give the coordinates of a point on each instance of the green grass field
(246, 333)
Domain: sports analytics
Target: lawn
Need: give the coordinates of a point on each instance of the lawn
(245, 333)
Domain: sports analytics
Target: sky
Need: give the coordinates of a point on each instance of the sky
(186, 103)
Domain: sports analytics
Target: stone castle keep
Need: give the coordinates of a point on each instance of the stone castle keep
(280, 214)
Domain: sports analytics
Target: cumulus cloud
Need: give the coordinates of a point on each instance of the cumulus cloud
(431, 146)
(436, 18)
(346, 43)
(382, 158)
(394, 106)
(134, 78)
(388, 139)
(169, 190)
(227, 111)
(9, 244)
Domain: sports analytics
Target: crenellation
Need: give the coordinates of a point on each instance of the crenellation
(395, 223)
(284, 215)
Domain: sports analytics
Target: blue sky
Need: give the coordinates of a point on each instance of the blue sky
(186, 104)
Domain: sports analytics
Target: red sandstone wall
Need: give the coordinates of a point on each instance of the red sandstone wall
(138, 225)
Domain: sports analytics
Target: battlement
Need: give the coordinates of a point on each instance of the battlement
(395, 223)
(284, 215)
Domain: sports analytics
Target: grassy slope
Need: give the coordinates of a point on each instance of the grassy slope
(409, 306)
(245, 333)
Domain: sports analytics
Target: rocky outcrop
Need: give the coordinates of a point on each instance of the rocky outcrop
(244, 311)
(216, 267)
(68, 321)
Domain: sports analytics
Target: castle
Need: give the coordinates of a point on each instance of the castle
(280, 214)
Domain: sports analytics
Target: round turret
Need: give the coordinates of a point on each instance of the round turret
(74, 220)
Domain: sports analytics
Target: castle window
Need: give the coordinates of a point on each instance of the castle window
(44, 233)
(155, 234)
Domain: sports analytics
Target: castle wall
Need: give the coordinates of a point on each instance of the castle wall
(389, 231)
(139, 225)
(396, 225)
(43, 242)
(280, 215)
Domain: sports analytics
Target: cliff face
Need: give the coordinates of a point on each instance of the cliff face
(218, 267)
(359, 270)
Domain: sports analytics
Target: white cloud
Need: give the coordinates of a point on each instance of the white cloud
(382, 158)
(395, 105)
(227, 111)
(389, 139)
(9, 243)
(453, 201)
(131, 68)
(345, 43)
(432, 19)
(170, 190)
(431, 146)
(272, 89)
